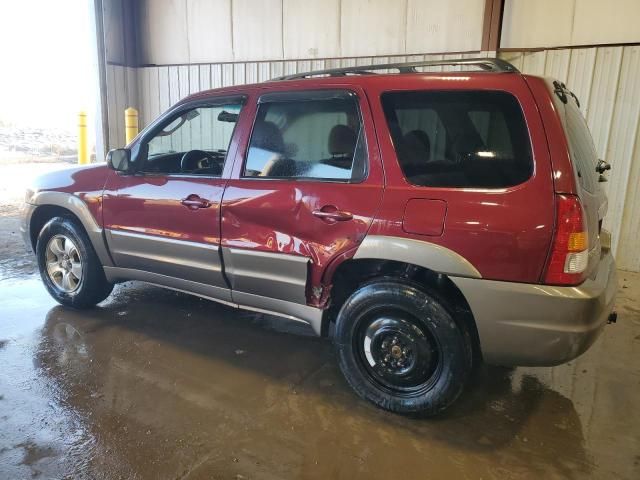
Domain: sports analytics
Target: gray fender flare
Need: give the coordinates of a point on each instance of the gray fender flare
(417, 252)
(79, 208)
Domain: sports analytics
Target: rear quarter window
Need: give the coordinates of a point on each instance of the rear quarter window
(472, 139)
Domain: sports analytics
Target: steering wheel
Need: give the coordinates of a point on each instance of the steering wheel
(189, 159)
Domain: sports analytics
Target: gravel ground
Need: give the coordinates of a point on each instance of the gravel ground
(15, 259)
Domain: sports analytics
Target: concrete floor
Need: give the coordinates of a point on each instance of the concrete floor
(157, 384)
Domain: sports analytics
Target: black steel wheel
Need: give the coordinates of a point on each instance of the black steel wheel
(400, 348)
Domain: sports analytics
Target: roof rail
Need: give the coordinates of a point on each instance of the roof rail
(486, 64)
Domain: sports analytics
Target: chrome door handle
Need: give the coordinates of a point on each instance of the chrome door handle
(194, 202)
(333, 216)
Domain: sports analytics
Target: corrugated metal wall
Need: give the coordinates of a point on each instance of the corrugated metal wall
(161, 87)
(122, 92)
(604, 79)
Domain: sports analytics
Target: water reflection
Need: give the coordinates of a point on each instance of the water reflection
(195, 386)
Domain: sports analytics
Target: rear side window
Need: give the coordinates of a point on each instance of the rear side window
(459, 139)
(308, 139)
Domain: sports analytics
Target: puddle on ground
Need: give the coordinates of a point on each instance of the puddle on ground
(159, 384)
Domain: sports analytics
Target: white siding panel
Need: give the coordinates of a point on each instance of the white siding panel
(534, 62)
(194, 79)
(239, 74)
(204, 77)
(143, 96)
(311, 29)
(209, 30)
(164, 98)
(620, 148)
(437, 26)
(540, 23)
(112, 106)
(603, 95)
(552, 23)
(174, 85)
(165, 35)
(227, 75)
(580, 78)
(257, 29)
(251, 72)
(373, 27)
(264, 71)
(154, 94)
(557, 64)
(216, 76)
(183, 82)
(629, 244)
(118, 106)
(276, 69)
(614, 21)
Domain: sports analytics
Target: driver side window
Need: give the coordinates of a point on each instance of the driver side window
(194, 143)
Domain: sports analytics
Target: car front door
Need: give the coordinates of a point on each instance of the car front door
(304, 190)
(163, 221)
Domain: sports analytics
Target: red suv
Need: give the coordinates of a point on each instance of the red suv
(426, 219)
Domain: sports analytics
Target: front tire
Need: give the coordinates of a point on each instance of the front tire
(401, 349)
(69, 267)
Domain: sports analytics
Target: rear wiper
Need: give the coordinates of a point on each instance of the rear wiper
(602, 167)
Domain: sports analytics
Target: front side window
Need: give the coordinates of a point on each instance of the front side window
(308, 139)
(459, 139)
(194, 143)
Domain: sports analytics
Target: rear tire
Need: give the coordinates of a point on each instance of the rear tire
(70, 269)
(401, 349)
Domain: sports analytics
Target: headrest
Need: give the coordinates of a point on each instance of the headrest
(418, 141)
(267, 135)
(342, 140)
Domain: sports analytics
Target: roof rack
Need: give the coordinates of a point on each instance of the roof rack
(486, 64)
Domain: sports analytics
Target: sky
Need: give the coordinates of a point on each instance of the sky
(47, 69)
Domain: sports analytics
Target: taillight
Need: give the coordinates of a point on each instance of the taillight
(570, 250)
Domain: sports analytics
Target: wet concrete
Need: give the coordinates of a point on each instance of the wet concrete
(158, 384)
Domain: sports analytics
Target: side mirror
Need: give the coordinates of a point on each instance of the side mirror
(119, 159)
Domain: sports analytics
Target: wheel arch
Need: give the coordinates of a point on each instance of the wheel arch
(53, 204)
(423, 263)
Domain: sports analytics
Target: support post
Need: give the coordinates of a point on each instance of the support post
(130, 124)
(83, 150)
(492, 25)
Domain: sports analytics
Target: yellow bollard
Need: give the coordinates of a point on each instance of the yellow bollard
(130, 124)
(83, 151)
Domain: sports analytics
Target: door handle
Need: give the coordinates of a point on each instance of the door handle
(194, 202)
(331, 214)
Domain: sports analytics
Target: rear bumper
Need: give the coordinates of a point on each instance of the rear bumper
(525, 324)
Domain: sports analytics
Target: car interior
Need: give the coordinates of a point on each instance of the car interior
(459, 142)
(315, 139)
(187, 145)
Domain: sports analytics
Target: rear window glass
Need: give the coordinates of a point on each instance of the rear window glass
(581, 147)
(459, 139)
